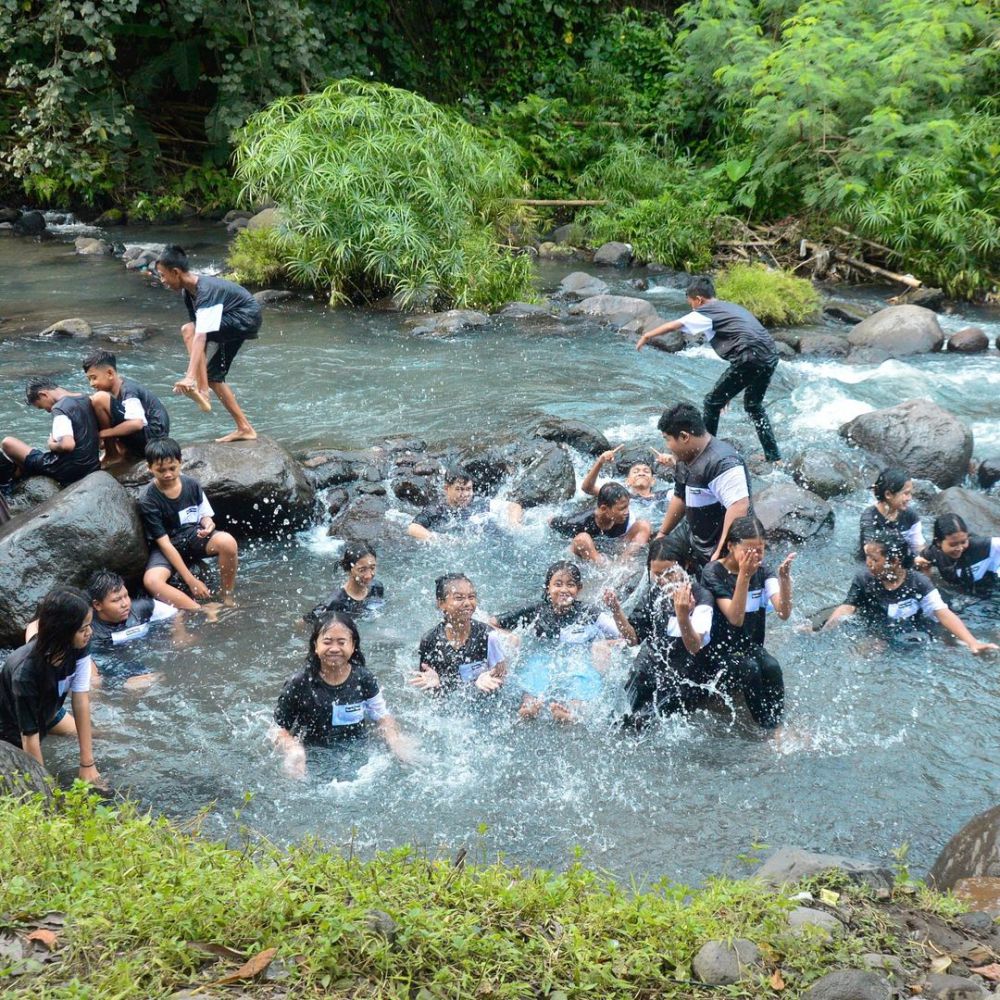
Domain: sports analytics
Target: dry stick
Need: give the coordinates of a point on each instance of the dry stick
(557, 201)
(861, 239)
(903, 279)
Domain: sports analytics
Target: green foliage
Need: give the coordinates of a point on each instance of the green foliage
(385, 193)
(257, 257)
(774, 297)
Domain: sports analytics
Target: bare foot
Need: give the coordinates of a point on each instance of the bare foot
(238, 435)
(193, 392)
(561, 713)
(143, 682)
(530, 707)
(228, 601)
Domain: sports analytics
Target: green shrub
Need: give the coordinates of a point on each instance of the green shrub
(774, 297)
(258, 257)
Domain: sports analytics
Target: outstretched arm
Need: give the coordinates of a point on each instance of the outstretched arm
(589, 484)
(674, 324)
(957, 628)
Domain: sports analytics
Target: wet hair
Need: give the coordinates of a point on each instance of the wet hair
(948, 524)
(102, 582)
(892, 547)
(889, 480)
(354, 552)
(682, 417)
(743, 529)
(60, 614)
(99, 359)
(672, 548)
(174, 257)
(701, 287)
(443, 583)
(456, 474)
(162, 450)
(322, 623)
(610, 493)
(645, 462)
(562, 566)
(36, 387)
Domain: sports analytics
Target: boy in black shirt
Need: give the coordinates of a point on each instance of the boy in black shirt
(73, 445)
(461, 508)
(612, 518)
(179, 529)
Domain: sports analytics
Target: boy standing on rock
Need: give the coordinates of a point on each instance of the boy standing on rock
(737, 336)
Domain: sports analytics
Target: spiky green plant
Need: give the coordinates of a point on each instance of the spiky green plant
(776, 297)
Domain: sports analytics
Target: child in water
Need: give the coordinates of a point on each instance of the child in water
(640, 481)
(577, 630)
(969, 562)
(891, 514)
(612, 519)
(362, 594)
(461, 509)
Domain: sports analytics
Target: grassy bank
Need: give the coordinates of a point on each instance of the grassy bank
(142, 909)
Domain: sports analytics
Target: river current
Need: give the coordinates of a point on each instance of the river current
(886, 747)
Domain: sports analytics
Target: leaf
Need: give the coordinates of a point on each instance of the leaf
(219, 950)
(44, 937)
(941, 963)
(254, 967)
(991, 971)
(777, 983)
(829, 897)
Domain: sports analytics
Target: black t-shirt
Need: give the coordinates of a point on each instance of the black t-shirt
(579, 624)
(157, 418)
(975, 571)
(906, 528)
(441, 517)
(910, 605)
(28, 701)
(241, 315)
(342, 601)
(587, 521)
(178, 519)
(71, 466)
(456, 665)
(710, 485)
(144, 612)
(749, 637)
(321, 714)
(734, 332)
(656, 626)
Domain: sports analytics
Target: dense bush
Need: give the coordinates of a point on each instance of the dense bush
(774, 297)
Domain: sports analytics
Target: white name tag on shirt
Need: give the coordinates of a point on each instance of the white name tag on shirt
(904, 609)
(208, 320)
(470, 671)
(577, 634)
(128, 634)
(189, 515)
(348, 715)
(754, 600)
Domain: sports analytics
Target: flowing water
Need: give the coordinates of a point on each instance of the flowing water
(887, 747)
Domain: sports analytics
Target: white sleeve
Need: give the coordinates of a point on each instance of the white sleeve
(701, 622)
(994, 555)
(494, 650)
(607, 627)
(81, 676)
(730, 486)
(694, 324)
(931, 602)
(205, 508)
(915, 538)
(62, 426)
(375, 707)
(208, 319)
(771, 590)
(162, 611)
(134, 411)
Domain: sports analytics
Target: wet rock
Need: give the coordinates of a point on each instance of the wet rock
(112, 217)
(76, 327)
(792, 864)
(917, 435)
(804, 920)
(969, 340)
(30, 493)
(825, 345)
(336, 499)
(547, 477)
(988, 472)
(669, 343)
(489, 464)
(448, 323)
(979, 511)
(89, 525)
(395, 446)
(525, 312)
(899, 331)
(789, 512)
(268, 218)
(29, 224)
(21, 775)
(9, 215)
(575, 433)
(614, 254)
(845, 312)
(723, 963)
(379, 922)
(88, 247)
(783, 335)
(139, 258)
(124, 335)
(944, 987)
(639, 284)
(927, 298)
(973, 851)
(579, 285)
(269, 296)
(825, 474)
(619, 311)
(236, 213)
(634, 453)
(331, 467)
(982, 893)
(413, 490)
(888, 965)
(364, 520)
(237, 225)
(784, 351)
(849, 984)
(428, 467)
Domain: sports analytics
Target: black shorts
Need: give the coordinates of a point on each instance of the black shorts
(47, 463)
(135, 443)
(219, 355)
(190, 547)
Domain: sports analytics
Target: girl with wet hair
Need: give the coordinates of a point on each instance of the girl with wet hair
(36, 678)
(333, 698)
(743, 588)
(891, 514)
(569, 673)
(966, 561)
(361, 595)
(896, 600)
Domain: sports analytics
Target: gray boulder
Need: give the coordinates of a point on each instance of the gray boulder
(785, 335)
(448, 323)
(928, 298)
(575, 433)
(917, 435)
(973, 852)
(825, 474)
(792, 864)
(29, 224)
(669, 343)
(620, 311)
(236, 213)
(525, 312)
(944, 987)
(546, 477)
(969, 340)
(414, 489)
(580, 285)
(849, 984)
(723, 963)
(364, 520)
(270, 296)
(899, 331)
(9, 215)
(805, 920)
(824, 345)
(979, 511)
(90, 525)
(331, 467)
(614, 254)
(77, 328)
(988, 472)
(87, 246)
(845, 312)
(30, 492)
(268, 218)
(789, 512)
(21, 775)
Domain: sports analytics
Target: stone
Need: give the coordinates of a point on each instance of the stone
(888, 965)
(75, 327)
(269, 296)
(364, 520)
(981, 892)
(619, 311)
(547, 477)
(941, 986)
(789, 512)
(124, 335)
(372, 489)
(331, 467)
(825, 345)
(21, 775)
(804, 918)
(30, 492)
(237, 225)
(29, 224)
(90, 525)
(144, 259)
(639, 284)
(448, 323)
(414, 490)
(899, 331)
(825, 474)
(669, 343)
(9, 215)
(969, 340)
(849, 984)
(570, 234)
(89, 247)
(784, 335)
(613, 254)
(236, 213)
(575, 433)
(398, 446)
(579, 285)
(379, 922)
(489, 463)
(268, 218)
(553, 251)
(792, 864)
(917, 435)
(525, 311)
(988, 472)
(336, 499)
(722, 963)
(980, 511)
(973, 852)
(845, 312)
(928, 298)
(112, 217)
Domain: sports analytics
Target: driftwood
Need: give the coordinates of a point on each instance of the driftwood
(571, 202)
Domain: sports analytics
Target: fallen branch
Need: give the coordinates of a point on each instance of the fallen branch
(558, 201)
(903, 279)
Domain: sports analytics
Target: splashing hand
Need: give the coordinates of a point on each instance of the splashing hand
(426, 679)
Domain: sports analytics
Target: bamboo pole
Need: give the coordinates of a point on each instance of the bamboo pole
(557, 201)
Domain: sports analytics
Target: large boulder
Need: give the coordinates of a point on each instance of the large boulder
(268, 218)
(899, 331)
(546, 477)
(448, 323)
(580, 285)
(972, 853)
(988, 473)
(824, 473)
(917, 435)
(331, 467)
(30, 492)
(576, 434)
(789, 865)
(979, 511)
(90, 525)
(30, 224)
(622, 311)
(75, 327)
(850, 984)
(21, 775)
(789, 512)
(969, 340)
(364, 520)
(614, 254)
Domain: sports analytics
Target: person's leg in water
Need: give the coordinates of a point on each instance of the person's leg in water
(223, 545)
(753, 403)
(760, 679)
(156, 580)
(199, 391)
(222, 355)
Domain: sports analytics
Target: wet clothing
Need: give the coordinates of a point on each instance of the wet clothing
(644, 507)
(179, 519)
(72, 416)
(752, 378)
(975, 571)
(32, 694)
(709, 485)
(462, 664)
(441, 517)
(911, 605)
(218, 357)
(906, 527)
(586, 521)
(136, 402)
(224, 311)
(580, 624)
(342, 601)
(145, 611)
(321, 714)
